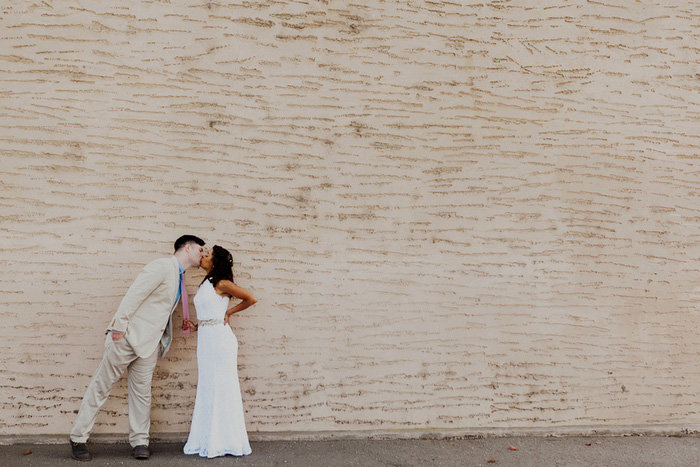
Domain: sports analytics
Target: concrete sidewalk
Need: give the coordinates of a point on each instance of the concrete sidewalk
(531, 451)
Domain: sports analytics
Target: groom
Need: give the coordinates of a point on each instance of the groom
(140, 328)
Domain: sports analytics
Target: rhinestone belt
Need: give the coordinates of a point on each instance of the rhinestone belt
(211, 322)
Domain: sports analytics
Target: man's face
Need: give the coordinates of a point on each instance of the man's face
(195, 253)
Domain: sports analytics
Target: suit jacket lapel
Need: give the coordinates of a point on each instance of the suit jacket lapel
(167, 338)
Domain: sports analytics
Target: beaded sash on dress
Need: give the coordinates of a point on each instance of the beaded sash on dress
(211, 322)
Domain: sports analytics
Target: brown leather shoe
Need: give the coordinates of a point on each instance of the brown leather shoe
(141, 452)
(80, 451)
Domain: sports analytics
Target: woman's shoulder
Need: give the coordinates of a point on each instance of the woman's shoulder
(222, 288)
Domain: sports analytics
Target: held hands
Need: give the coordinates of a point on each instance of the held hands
(117, 335)
(187, 324)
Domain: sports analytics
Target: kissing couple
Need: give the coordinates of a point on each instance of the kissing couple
(142, 329)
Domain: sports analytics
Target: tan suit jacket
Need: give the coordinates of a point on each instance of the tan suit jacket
(145, 311)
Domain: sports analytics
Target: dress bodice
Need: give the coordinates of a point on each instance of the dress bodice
(209, 304)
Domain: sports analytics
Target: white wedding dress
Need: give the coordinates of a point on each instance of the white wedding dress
(218, 424)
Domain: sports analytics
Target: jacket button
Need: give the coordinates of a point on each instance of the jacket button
(162, 330)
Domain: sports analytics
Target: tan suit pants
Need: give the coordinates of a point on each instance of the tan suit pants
(118, 357)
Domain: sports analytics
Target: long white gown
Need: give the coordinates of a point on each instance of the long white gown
(218, 424)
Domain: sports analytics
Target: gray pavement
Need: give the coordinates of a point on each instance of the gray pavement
(635, 451)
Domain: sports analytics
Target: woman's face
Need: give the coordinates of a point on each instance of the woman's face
(207, 262)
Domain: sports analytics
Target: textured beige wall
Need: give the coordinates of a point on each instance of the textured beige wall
(474, 215)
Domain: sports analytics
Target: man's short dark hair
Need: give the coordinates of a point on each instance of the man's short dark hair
(185, 239)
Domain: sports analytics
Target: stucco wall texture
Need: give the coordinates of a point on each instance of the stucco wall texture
(455, 214)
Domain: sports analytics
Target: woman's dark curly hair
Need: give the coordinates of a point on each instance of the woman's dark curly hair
(222, 265)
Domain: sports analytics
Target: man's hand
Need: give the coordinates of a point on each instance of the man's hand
(117, 335)
(187, 324)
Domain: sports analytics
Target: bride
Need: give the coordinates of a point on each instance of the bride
(218, 424)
